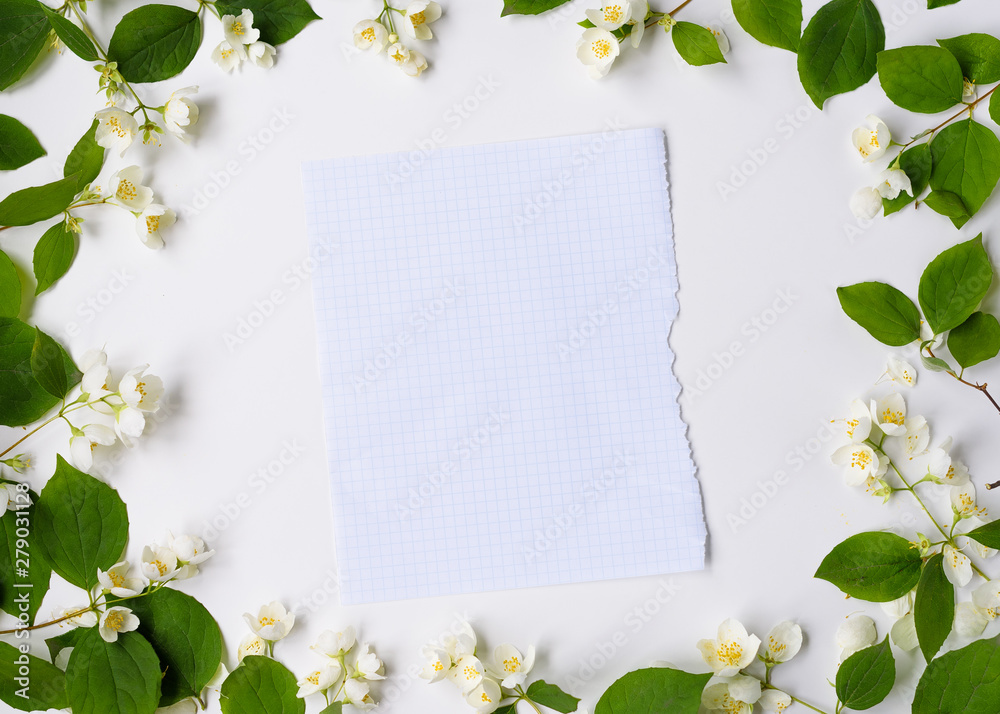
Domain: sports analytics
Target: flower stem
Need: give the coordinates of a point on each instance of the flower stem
(679, 7)
(948, 537)
(33, 431)
(768, 685)
(980, 387)
(71, 615)
(968, 108)
(104, 55)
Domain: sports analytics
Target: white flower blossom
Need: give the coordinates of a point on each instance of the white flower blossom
(733, 695)
(640, 9)
(892, 182)
(357, 692)
(889, 414)
(783, 642)
(272, 623)
(8, 496)
(83, 442)
(901, 372)
(189, 549)
(334, 644)
(467, 673)
(115, 620)
(855, 634)
(963, 502)
(732, 650)
(96, 375)
(117, 581)
(370, 35)
(597, 49)
(918, 435)
(860, 463)
(127, 190)
(968, 90)
(149, 223)
(368, 665)
(957, 567)
(180, 114)
(261, 54)
(438, 664)
(510, 667)
(904, 632)
(859, 423)
(86, 618)
(899, 607)
(252, 645)
(866, 203)
(226, 57)
(872, 140)
(774, 700)
(417, 18)
(116, 129)
(320, 680)
(239, 31)
(485, 697)
(612, 16)
(720, 37)
(158, 563)
(943, 468)
(970, 621)
(140, 390)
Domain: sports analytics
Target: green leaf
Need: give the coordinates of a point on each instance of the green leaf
(185, 637)
(995, 107)
(54, 253)
(44, 688)
(338, 708)
(48, 367)
(551, 696)
(10, 287)
(922, 78)
(120, 677)
(875, 566)
(954, 284)
(86, 158)
(975, 340)
(987, 534)
(81, 524)
(935, 364)
(916, 164)
(888, 315)
(18, 146)
(657, 690)
(950, 205)
(966, 162)
(155, 42)
(22, 398)
(772, 22)
(21, 574)
(965, 680)
(866, 677)
(72, 36)
(978, 54)
(278, 20)
(839, 48)
(260, 685)
(23, 31)
(529, 7)
(696, 44)
(931, 4)
(934, 607)
(37, 203)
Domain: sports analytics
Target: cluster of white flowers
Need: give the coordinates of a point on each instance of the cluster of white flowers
(242, 42)
(271, 624)
(136, 396)
(416, 19)
(126, 190)
(339, 680)
(177, 559)
(872, 141)
(481, 683)
(117, 128)
(733, 650)
(600, 45)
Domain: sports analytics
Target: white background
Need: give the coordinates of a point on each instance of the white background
(788, 228)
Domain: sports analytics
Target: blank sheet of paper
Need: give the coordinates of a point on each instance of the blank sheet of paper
(500, 405)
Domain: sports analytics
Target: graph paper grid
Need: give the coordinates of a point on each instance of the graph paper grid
(500, 405)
